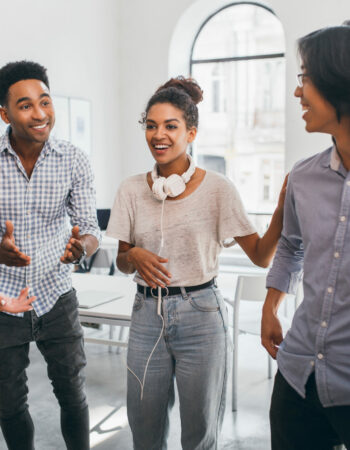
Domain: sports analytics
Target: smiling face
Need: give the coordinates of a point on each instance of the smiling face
(318, 113)
(167, 134)
(29, 111)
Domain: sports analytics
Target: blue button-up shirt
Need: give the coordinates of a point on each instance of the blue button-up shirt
(316, 239)
(61, 185)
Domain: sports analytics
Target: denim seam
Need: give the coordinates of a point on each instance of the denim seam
(224, 381)
(221, 405)
(222, 317)
(199, 308)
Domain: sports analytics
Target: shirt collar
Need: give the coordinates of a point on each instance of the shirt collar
(333, 160)
(50, 145)
(5, 141)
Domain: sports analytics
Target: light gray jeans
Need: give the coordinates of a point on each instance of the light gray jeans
(193, 349)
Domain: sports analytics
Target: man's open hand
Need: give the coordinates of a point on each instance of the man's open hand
(74, 248)
(10, 255)
(16, 305)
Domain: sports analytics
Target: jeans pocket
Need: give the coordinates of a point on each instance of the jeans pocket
(204, 300)
(63, 319)
(222, 307)
(69, 301)
(138, 302)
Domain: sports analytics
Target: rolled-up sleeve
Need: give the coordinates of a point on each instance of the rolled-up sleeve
(81, 202)
(287, 268)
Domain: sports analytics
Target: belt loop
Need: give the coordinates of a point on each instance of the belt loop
(144, 292)
(184, 293)
(215, 280)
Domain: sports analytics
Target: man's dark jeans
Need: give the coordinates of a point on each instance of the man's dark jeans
(59, 337)
(304, 424)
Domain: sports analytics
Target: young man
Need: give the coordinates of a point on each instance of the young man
(310, 408)
(42, 180)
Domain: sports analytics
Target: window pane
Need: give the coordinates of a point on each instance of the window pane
(241, 129)
(240, 30)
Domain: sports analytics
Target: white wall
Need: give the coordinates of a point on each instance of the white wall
(156, 37)
(300, 17)
(116, 52)
(146, 28)
(78, 42)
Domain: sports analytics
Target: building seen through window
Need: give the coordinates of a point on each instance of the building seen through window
(238, 60)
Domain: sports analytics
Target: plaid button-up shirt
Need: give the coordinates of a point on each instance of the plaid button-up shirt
(61, 185)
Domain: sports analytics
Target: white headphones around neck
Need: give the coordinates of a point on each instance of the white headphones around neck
(172, 186)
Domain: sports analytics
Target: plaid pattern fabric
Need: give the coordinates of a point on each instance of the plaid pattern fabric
(60, 186)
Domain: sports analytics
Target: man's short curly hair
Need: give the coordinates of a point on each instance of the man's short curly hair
(13, 72)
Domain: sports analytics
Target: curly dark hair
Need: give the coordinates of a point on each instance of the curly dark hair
(183, 93)
(13, 72)
(325, 54)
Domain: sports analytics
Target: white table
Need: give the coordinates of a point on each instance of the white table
(114, 313)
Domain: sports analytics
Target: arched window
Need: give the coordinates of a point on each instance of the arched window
(238, 59)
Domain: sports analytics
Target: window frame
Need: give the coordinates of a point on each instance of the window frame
(232, 58)
(193, 61)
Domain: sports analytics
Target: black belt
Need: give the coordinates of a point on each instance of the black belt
(174, 290)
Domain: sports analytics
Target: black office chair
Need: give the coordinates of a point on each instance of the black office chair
(103, 216)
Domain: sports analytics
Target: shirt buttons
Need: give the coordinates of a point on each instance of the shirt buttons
(329, 289)
(312, 363)
(320, 356)
(342, 218)
(336, 255)
(324, 324)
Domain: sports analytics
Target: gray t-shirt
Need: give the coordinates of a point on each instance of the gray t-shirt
(195, 228)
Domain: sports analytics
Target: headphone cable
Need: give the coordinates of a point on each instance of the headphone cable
(159, 311)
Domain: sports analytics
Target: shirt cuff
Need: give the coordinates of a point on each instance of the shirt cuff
(93, 232)
(287, 283)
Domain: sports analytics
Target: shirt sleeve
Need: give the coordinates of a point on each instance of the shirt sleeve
(234, 221)
(81, 202)
(287, 268)
(120, 225)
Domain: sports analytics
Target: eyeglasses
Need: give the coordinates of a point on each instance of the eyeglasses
(300, 79)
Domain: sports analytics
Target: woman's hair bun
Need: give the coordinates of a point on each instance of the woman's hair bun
(189, 85)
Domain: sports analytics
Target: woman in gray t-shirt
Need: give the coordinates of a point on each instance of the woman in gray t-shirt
(171, 224)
